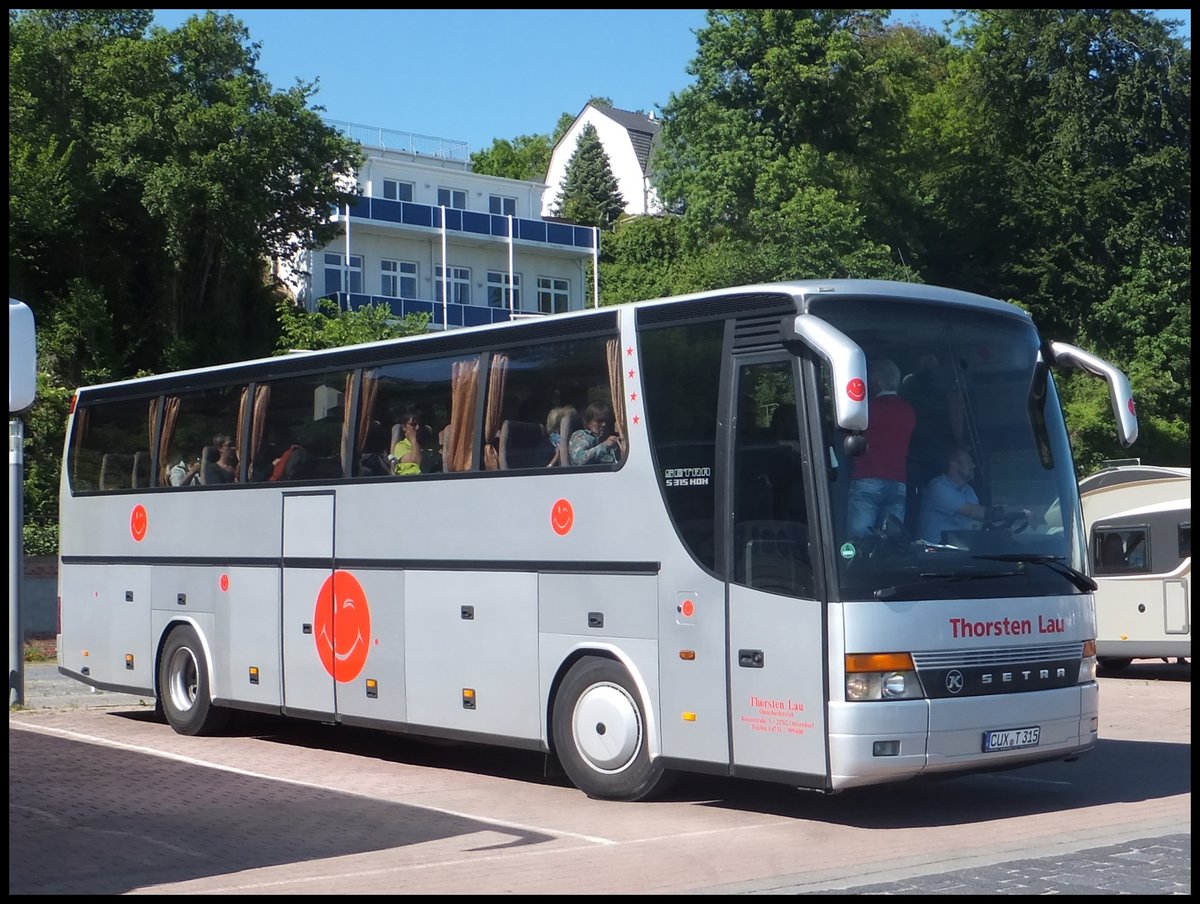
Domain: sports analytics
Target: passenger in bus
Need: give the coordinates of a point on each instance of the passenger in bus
(181, 474)
(595, 443)
(879, 487)
(554, 422)
(415, 450)
(224, 468)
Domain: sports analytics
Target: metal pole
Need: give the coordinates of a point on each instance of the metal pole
(445, 273)
(346, 266)
(596, 268)
(511, 287)
(16, 562)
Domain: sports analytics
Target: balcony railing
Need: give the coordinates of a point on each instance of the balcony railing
(472, 222)
(457, 314)
(397, 140)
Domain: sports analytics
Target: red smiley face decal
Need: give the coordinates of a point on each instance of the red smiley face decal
(342, 626)
(856, 389)
(138, 522)
(562, 517)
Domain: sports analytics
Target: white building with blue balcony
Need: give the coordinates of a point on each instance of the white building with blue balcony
(428, 235)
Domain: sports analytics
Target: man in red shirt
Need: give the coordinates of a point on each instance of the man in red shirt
(879, 485)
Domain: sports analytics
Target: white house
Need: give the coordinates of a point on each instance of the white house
(627, 139)
(429, 235)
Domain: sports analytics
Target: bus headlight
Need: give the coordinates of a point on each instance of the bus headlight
(881, 676)
(1087, 666)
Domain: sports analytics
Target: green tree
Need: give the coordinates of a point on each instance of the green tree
(155, 170)
(791, 139)
(526, 157)
(328, 327)
(1059, 151)
(151, 174)
(589, 194)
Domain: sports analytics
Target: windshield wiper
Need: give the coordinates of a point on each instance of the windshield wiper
(1055, 563)
(888, 593)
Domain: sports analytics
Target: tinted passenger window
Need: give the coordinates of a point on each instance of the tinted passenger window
(681, 374)
(192, 424)
(110, 446)
(298, 428)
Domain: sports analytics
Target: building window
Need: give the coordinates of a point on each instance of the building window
(397, 191)
(553, 294)
(452, 197)
(498, 290)
(460, 284)
(334, 273)
(503, 206)
(398, 279)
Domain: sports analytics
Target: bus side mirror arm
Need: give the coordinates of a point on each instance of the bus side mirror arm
(1064, 356)
(847, 366)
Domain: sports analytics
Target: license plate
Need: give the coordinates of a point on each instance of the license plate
(1011, 738)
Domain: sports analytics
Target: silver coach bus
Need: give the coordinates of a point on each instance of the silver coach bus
(243, 537)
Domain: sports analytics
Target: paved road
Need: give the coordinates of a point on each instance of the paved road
(1156, 862)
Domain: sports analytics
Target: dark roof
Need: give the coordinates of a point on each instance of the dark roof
(642, 129)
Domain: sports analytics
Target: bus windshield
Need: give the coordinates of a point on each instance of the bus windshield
(983, 503)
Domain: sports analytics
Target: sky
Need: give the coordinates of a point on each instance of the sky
(475, 75)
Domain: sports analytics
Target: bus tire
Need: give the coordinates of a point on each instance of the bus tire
(599, 729)
(184, 689)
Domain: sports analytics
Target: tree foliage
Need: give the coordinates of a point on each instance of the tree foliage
(328, 327)
(1043, 156)
(526, 157)
(151, 174)
(589, 194)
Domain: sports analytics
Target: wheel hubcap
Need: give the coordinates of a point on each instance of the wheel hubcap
(184, 679)
(607, 727)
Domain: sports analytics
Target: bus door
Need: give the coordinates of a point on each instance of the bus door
(308, 603)
(776, 636)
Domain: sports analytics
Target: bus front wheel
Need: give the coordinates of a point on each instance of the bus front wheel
(184, 689)
(599, 730)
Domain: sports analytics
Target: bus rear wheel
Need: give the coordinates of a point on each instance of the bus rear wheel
(184, 689)
(599, 730)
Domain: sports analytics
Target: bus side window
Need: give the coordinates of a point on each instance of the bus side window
(104, 441)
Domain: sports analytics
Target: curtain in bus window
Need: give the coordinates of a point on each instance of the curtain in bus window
(491, 421)
(258, 426)
(170, 417)
(368, 392)
(240, 433)
(617, 391)
(347, 428)
(153, 419)
(464, 381)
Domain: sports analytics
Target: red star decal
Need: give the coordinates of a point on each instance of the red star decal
(636, 419)
(629, 352)
(631, 375)
(633, 396)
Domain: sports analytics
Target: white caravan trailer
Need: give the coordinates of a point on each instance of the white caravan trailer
(1139, 528)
